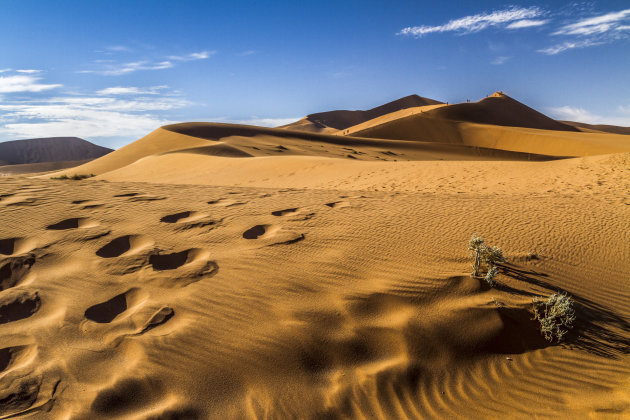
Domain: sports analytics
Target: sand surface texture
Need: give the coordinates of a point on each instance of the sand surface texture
(231, 272)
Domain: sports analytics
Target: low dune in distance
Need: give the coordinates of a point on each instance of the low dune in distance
(228, 271)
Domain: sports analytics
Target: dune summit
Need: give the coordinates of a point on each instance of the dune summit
(321, 270)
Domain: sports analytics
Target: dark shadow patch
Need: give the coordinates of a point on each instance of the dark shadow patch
(174, 218)
(172, 261)
(125, 396)
(285, 212)
(255, 232)
(19, 307)
(106, 312)
(72, 223)
(14, 270)
(7, 246)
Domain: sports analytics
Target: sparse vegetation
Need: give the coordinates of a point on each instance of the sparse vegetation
(555, 314)
(489, 256)
(75, 177)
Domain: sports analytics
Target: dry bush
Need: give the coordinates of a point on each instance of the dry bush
(489, 256)
(556, 315)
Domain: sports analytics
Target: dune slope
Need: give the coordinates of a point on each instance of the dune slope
(51, 149)
(330, 121)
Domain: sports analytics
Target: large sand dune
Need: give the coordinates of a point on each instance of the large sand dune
(224, 271)
(331, 121)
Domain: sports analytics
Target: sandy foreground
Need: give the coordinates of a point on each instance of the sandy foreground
(278, 277)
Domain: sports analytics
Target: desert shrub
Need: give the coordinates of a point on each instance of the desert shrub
(489, 256)
(555, 314)
(491, 274)
(75, 177)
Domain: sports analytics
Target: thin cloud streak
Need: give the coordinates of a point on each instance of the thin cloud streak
(527, 23)
(119, 69)
(478, 22)
(21, 83)
(610, 22)
(131, 90)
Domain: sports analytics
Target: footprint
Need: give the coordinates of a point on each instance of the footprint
(19, 200)
(88, 204)
(106, 312)
(73, 223)
(14, 270)
(124, 246)
(11, 357)
(285, 212)
(338, 204)
(17, 307)
(192, 265)
(258, 231)
(161, 262)
(225, 202)
(14, 246)
(146, 198)
(19, 398)
(183, 217)
(159, 318)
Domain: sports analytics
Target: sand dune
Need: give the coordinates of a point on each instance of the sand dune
(330, 121)
(427, 127)
(226, 271)
(50, 149)
(599, 127)
(499, 109)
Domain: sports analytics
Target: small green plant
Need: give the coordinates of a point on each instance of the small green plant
(75, 177)
(489, 256)
(555, 314)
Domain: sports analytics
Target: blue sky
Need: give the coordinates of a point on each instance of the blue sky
(112, 71)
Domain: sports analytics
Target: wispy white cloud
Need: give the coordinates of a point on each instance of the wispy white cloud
(591, 31)
(118, 48)
(20, 83)
(90, 117)
(5, 70)
(500, 60)
(569, 113)
(131, 90)
(202, 55)
(569, 45)
(114, 68)
(28, 71)
(527, 23)
(610, 22)
(117, 69)
(263, 122)
(479, 22)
